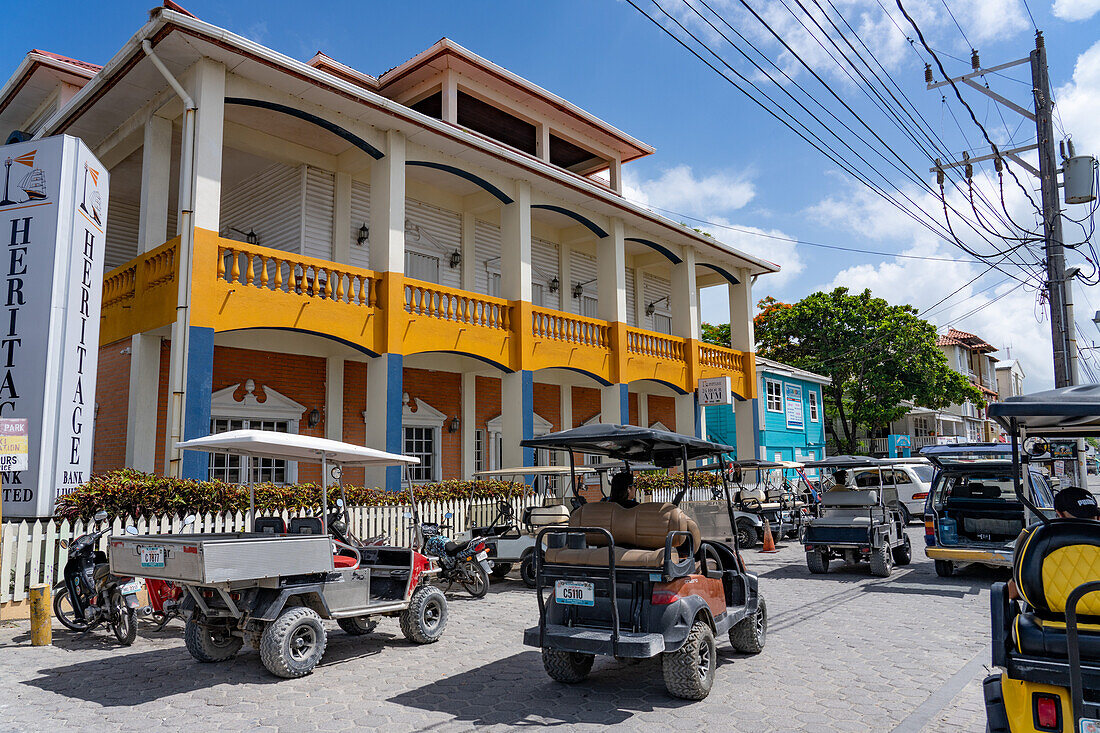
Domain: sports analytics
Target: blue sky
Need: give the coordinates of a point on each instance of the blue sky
(719, 157)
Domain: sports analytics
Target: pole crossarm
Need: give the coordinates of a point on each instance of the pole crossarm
(981, 72)
(1011, 153)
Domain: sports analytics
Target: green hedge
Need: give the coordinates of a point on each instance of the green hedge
(132, 493)
(653, 480)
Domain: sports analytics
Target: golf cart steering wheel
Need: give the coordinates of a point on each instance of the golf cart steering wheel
(751, 504)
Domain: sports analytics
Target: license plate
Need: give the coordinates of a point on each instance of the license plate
(132, 587)
(575, 593)
(1090, 725)
(482, 555)
(152, 557)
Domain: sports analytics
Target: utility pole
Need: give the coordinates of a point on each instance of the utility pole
(1058, 286)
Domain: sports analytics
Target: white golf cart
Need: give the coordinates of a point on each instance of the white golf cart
(274, 585)
(510, 540)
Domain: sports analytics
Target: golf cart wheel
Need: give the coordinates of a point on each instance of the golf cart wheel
(747, 536)
(903, 553)
(945, 568)
(475, 580)
(882, 561)
(357, 625)
(210, 643)
(817, 562)
(294, 643)
(65, 612)
(501, 569)
(567, 667)
(527, 569)
(996, 716)
(689, 671)
(750, 633)
(426, 616)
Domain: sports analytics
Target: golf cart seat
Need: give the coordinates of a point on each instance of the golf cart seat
(269, 525)
(846, 507)
(850, 498)
(640, 533)
(306, 525)
(545, 516)
(1055, 559)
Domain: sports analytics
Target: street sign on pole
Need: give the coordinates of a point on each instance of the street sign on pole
(715, 391)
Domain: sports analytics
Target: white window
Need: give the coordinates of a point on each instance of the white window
(590, 307)
(812, 395)
(662, 323)
(920, 427)
(775, 395)
(479, 450)
(420, 442)
(421, 267)
(276, 413)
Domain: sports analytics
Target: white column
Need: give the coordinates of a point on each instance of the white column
(141, 413)
(685, 413)
(611, 405)
(208, 91)
(744, 415)
(156, 167)
(566, 406)
(639, 299)
(741, 311)
(542, 142)
(469, 423)
(341, 218)
(515, 234)
(469, 253)
(450, 97)
(611, 269)
(685, 309)
(516, 413)
(615, 173)
(387, 207)
(565, 292)
(334, 398)
(643, 410)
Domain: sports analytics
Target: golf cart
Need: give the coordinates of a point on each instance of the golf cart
(637, 582)
(858, 521)
(275, 584)
(510, 540)
(772, 497)
(972, 514)
(1048, 644)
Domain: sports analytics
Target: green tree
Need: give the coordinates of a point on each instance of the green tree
(878, 356)
(719, 334)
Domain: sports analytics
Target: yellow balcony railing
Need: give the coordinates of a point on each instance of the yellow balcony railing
(141, 294)
(456, 306)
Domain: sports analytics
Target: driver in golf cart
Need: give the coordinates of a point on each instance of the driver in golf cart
(622, 490)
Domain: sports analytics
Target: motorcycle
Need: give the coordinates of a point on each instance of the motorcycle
(466, 563)
(90, 595)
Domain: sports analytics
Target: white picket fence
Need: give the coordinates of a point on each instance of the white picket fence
(31, 553)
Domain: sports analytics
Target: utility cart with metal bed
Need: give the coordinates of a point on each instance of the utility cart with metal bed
(639, 581)
(275, 584)
(858, 521)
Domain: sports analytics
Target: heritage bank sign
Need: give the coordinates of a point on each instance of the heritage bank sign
(53, 216)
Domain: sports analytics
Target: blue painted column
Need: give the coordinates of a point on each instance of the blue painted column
(517, 410)
(197, 395)
(385, 381)
(615, 404)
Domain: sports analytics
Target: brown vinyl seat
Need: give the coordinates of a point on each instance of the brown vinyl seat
(640, 535)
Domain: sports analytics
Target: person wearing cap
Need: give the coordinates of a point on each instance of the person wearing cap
(622, 490)
(1072, 502)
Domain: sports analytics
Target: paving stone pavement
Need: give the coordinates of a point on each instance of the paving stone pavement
(845, 652)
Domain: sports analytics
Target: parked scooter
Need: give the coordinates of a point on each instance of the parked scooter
(90, 595)
(466, 562)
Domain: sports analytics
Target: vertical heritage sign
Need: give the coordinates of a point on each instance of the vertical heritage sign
(53, 217)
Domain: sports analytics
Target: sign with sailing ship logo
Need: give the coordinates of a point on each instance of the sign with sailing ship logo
(53, 219)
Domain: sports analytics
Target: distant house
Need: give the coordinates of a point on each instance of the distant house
(788, 415)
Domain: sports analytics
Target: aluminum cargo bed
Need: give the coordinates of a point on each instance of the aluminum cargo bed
(204, 559)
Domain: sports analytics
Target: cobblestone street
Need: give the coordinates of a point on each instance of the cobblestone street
(845, 652)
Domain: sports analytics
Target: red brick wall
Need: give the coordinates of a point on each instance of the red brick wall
(112, 393)
(548, 403)
(487, 390)
(443, 391)
(662, 409)
(355, 402)
(586, 405)
(162, 404)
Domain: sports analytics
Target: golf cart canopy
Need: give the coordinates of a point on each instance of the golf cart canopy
(836, 463)
(993, 455)
(630, 443)
(533, 471)
(269, 444)
(1063, 412)
(755, 464)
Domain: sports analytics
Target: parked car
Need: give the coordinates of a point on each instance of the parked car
(910, 477)
(972, 514)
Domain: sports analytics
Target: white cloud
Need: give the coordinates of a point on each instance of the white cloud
(1076, 9)
(678, 189)
(1079, 101)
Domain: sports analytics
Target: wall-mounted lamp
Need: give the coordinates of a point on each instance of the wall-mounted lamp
(456, 259)
(314, 418)
(364, 232)
(651, 307)
(555, 285)
(453, 425)
(250, 236)
(578, 288)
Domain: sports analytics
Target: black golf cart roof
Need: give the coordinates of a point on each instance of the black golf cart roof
(1067, 412)
(970, 455)
(838, 462)
(629, 443)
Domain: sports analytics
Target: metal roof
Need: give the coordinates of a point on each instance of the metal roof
(269, 444)
(1064, 411)
(629, 443)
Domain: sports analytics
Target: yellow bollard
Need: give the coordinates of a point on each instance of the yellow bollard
(41, 616)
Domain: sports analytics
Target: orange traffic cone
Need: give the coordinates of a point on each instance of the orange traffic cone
(769, 541)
